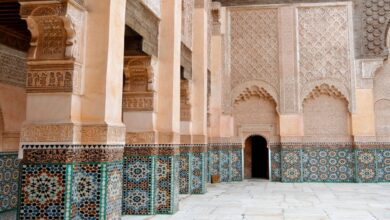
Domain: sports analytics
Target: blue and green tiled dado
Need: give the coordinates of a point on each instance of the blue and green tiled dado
(9, 178)
(330, 162)
(226, 160)
(71, 182)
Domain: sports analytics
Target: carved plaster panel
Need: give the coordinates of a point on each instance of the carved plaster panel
(13, 66)
(185, 105)
(138, 94)
(187, 18)
(254, 46)
(72, 133)
(324, 48)
(326, 115)
(140, 138)
(57, 46)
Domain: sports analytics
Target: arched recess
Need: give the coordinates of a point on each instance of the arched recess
(237, 90)
(308, 88)
(326, 116)
(256, 108)
(256, 157)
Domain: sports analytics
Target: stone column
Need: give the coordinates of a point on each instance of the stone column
(72, 139)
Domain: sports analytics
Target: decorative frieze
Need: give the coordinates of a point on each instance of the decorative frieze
(72, 133)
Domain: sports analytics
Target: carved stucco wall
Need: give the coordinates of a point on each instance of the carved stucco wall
(324, 46)
(187, 14)
(326, 116)
(254, 46)
(256, 109)
(13, 68)
(325, 53)
(371, 22)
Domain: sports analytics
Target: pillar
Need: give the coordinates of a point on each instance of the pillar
(72, 139)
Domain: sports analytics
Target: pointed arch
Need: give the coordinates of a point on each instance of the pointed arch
(326, 116)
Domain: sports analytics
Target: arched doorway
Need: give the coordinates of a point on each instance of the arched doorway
(256, 160)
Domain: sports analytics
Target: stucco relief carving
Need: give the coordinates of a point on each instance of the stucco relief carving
(326, 115)
(185, 105)
(376, 15)
(254, 87)
(254, 46)
(187, 17)
(257, 112)
(72, 133)
(13, 66)
(140, 138)
(138, 94)
(324, 48)
(57, 35)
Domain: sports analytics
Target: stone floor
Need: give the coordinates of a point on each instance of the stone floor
(263, 200)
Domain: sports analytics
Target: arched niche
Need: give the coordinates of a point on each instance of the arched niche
(326, 116)
(255, 107)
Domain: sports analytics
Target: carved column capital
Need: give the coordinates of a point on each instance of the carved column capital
(55, 57)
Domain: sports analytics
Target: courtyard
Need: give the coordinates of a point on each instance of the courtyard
(260, 199)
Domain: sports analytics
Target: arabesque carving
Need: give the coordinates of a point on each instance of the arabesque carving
(185, 105)
(138, 90)
(254, 50)
(56, 48)
(324, 47)
(187, 18)
(253, 91)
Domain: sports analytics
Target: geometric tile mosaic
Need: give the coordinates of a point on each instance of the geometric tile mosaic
(276, 171)
(43, 191)
(236, 165)
(226, 161)
(166, 202)
(224, 165)
(138, 185)
(198, 173)
(328, 164)
(9, 179)
(291, 165)
(333, 163)
(184, 173)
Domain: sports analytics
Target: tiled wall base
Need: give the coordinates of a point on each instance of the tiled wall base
(325, 162)
(9, 178)
(71, 182)
(150, 181)
(226, 161)
(193, 177)
(71, 191)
